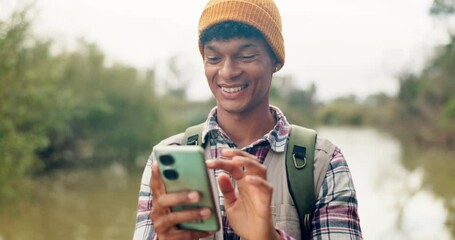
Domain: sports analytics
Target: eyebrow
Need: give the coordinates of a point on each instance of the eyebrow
(243, 46)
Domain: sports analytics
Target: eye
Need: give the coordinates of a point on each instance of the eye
(248, 57)
(212, 59)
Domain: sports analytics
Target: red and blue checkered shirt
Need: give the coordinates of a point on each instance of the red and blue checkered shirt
(335, 216)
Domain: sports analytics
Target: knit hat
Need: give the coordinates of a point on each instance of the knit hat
(261, 14)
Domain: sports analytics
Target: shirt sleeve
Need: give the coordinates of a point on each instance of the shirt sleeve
(144, 225)
(336, 215)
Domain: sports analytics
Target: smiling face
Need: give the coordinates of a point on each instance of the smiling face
(239, 73)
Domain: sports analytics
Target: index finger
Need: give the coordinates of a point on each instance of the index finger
(156, 185)
(252, 166)
(246, 160)
(230, 152)
(226, 165)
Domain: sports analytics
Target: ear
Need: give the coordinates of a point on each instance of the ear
(276, 67)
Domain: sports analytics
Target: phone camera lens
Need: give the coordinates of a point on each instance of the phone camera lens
(167, 160)
(171, 174)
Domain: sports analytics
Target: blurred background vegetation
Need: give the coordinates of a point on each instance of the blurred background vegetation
(68, 110)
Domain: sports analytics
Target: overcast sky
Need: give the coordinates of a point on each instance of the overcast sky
(344, 46)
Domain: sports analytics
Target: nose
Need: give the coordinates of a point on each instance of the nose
(229, 69)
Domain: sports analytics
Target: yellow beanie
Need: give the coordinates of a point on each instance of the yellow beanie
(262, 14)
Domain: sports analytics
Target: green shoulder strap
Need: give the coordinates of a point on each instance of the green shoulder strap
(299, 168)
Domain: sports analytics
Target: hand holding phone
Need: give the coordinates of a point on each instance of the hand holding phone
(183, 168)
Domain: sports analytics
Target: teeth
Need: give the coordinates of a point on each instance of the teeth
(233, 90)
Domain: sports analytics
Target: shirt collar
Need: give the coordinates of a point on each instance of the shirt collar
(276, 137)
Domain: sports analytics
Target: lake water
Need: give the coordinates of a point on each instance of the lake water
(398, 198)
(393, 202)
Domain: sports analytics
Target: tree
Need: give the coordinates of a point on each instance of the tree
(442, 7)
(29, 104)
(68, 109)
(178, 76)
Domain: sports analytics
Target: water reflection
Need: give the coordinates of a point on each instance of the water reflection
(80, 205)
(438, 170)
(404, 193)
(395, 201)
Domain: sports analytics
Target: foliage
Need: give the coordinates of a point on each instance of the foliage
(299, 105)
(425, 111)
(178, 76)
(342, 111)
(113, 112)
(26, 95)
(442, 7)
(69, 109)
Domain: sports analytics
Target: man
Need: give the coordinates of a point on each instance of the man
(242, 47)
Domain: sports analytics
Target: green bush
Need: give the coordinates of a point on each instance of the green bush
(68, 109)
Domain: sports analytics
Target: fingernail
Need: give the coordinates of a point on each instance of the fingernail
(210, 163)
(205, 212)
(193, 196)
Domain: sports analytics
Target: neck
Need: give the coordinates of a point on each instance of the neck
(244, 128)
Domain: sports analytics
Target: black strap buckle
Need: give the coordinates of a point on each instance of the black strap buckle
(193, 140)
(299, 153)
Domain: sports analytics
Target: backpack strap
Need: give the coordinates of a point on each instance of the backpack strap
(193, 135)
(299, 169)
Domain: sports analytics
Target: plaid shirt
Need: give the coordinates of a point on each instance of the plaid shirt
(335, 216)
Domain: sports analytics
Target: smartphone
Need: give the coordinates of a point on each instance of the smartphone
(183, 168)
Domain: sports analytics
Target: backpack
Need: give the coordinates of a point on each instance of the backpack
(299, 169)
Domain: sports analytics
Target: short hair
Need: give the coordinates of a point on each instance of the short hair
(228, 30)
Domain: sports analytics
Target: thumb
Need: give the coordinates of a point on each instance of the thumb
(226, 187)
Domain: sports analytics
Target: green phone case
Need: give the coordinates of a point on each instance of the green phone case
(187, 171)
